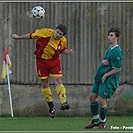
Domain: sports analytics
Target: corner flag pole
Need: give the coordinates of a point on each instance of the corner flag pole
(9, 89)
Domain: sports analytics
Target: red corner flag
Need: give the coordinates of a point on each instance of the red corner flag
(5, 72)
(6, 64)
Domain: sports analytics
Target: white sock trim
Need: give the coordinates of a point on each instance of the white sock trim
(96, 117)
(103, 120)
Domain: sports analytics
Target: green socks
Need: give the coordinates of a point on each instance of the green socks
(103, 114)
(94, 109)
(95, 113)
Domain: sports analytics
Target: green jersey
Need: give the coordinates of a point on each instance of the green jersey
(115, 58)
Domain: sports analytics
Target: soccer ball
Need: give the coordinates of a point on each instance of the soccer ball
(38, 12)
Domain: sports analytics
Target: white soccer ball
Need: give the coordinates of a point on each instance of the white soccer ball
(38, 12)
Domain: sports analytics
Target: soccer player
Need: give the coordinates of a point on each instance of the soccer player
(49, 45)
(106, 80)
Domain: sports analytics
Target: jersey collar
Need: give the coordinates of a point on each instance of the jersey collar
(113, 47)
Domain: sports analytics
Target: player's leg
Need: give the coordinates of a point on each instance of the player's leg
(104, 93)
(103, 112)
(43, 75)
(94, 106)
(56, 72)
(46, 91)
(61, 92)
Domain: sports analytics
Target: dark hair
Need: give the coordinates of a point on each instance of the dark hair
(62, 28)
(116, 30)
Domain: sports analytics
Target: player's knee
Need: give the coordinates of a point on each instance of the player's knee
(102, 102)
(58, 81)
(45, 83)
(92, 98)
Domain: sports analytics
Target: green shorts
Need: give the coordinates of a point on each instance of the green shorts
(104, 90)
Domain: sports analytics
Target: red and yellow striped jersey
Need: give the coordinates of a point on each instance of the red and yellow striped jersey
(47, 47)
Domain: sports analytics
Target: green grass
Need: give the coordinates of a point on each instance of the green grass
(61, 124)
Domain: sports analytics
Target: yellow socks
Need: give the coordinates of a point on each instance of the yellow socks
(61, 92)
(47, 94)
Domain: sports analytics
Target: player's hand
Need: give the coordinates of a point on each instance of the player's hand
(15, 36)
(104, 78)
(105, 62)
(70, 52)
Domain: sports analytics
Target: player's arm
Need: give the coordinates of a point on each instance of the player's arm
(65, 50)
(68, 52)
(112, 72)
(26, 36)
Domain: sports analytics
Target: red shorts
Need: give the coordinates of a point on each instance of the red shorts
(49, 67)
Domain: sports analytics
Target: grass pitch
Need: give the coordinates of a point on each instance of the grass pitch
(63, 124)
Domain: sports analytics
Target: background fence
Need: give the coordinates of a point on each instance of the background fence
(88, 24)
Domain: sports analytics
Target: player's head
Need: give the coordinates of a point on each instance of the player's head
(62, 28)
(114, 32)
(60, 31)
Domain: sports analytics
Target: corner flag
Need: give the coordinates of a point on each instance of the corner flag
(6, 64)
(5, 72)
